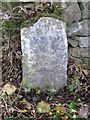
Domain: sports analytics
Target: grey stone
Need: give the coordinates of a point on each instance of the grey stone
(88, 41)
(4, 16)
(72, 42)
(44, 54)
(85, 10)
(75, 38)
(83, 41)
(79, 52)
(87, 61)
(72, 13)
(29, 6)
(85, 14)
(80, 60)
(85, 3)
(76, 60)
(63, 5)
(79, 28)
(88, 5)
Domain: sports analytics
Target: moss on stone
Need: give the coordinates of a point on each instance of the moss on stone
(31, 21)
(58, 11)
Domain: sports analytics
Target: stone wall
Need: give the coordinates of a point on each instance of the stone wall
(77, 17)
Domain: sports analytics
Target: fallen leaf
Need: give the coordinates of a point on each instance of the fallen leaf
(72, 105)
(9, 89)
(38, 91)
(64, 118)
(60, 109)
(79, 66)
(43, 107)
(85, 72)
(24, 101)
(74, 116)
(26, 104)
(71, 87)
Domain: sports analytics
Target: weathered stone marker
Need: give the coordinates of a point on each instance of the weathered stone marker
(44, 54)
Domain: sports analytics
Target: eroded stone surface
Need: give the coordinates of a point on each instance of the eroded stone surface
(83, 42)
(86, 14)
(79, 28)
(44, 50)
(79, 52)
(72, 12)
(72, 42)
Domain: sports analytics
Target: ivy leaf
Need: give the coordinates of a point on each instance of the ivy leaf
(72, 105)
(38, 91)
(43, 107)
(74, 116)
(9, 89)
(71, 87)
(24, 100)
(79, 66)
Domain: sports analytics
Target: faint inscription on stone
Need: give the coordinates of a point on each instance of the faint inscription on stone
(44, 54)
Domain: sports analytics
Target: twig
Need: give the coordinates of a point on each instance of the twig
(4, 103)
(18, 7)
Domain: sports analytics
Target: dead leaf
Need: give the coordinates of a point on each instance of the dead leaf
(60, 109)
(43, 107)
(64, 118)
(85, 72)
(9, 89)
(26, 104)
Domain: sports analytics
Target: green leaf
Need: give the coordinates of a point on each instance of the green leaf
(71, 87)
(38, 91)
(72, 105)
(8, 118)
(74, 116)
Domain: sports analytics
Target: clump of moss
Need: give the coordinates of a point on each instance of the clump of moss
(58, 11)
